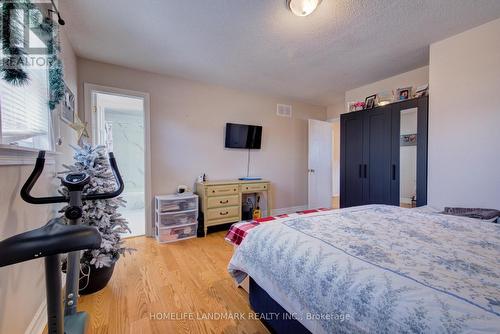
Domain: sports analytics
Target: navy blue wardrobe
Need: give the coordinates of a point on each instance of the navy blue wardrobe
(370, 154)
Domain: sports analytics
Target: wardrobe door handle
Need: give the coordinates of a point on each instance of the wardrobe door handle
(393, 172)
(366, 171)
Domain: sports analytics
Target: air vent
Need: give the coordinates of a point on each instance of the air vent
(284, 110)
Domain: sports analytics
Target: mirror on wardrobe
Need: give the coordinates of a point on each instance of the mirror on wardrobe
(408, 158)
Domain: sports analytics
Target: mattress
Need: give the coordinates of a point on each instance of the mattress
(378, 269)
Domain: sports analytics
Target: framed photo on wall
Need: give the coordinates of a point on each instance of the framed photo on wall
(68, 106)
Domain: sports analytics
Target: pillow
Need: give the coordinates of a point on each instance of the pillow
(483, 214)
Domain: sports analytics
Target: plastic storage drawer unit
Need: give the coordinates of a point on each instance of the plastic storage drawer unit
(176, 203)
(176, 217)
(177, 233)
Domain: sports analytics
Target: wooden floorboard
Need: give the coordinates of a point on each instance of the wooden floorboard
(187, 278)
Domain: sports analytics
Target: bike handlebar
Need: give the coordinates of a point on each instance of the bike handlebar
(37, 171)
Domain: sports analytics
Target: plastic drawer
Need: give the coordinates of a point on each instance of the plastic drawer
(177, 204)
(176, 233)
(180, 218)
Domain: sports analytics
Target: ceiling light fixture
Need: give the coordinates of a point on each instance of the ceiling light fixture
(302, 7)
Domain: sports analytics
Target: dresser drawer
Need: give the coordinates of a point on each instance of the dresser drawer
(214, 222)
(215, 202)
(249, 187)
(222, 190)
(220, 213)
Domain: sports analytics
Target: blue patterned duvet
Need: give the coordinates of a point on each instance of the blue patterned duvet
(378, 269)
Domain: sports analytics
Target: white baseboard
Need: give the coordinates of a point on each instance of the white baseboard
(37, 325)
(293, 209)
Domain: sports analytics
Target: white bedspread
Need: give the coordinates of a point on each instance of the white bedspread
(378, 269)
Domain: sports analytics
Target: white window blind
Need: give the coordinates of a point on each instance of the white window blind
(24, 112)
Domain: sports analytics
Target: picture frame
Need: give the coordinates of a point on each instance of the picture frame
(370, 101)
(404, 93)
(385, 97)
(355, 106)
(422, 90)
(67, 109)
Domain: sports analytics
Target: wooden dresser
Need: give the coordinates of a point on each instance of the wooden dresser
(221, 200)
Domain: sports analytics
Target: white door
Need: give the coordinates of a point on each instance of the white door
(320, 164)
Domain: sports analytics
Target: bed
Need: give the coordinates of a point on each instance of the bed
(375, 269)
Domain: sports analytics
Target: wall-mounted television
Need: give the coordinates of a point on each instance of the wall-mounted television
(243, 136)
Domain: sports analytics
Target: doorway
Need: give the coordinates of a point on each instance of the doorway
(320, 164)
(324, 164)
(335, 163)
(120, 121)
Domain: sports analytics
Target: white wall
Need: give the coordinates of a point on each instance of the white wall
(22, 286)
(187, 131)
(334, 110)
(412, 78)
(464, 119)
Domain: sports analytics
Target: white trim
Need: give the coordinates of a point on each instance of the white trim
(18, 156)
(87, 102)
(293, 209)
(39, 321)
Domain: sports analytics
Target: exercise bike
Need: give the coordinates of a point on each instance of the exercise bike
(57, 238)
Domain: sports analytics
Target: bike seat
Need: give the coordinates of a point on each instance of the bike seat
(53, 238)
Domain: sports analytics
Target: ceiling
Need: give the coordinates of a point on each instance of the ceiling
(258, 45)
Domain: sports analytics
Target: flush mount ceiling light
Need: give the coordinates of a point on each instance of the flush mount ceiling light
(302, 7)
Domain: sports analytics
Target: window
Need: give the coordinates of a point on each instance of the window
(24, 113)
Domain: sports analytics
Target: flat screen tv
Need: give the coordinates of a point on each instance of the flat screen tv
(243, 136)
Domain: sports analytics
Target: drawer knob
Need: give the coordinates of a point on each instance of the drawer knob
(224, 202)
(224, 213)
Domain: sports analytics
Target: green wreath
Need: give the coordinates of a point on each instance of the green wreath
(12, 67)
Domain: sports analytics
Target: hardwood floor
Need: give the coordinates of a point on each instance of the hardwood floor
(178, 280)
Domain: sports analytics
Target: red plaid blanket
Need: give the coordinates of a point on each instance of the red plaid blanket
(238, 231)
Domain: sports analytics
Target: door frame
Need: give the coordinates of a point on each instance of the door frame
(88, 102)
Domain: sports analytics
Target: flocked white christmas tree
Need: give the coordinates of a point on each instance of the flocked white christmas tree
(103, 214)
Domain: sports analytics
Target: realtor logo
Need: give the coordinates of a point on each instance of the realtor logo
(27, 33)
